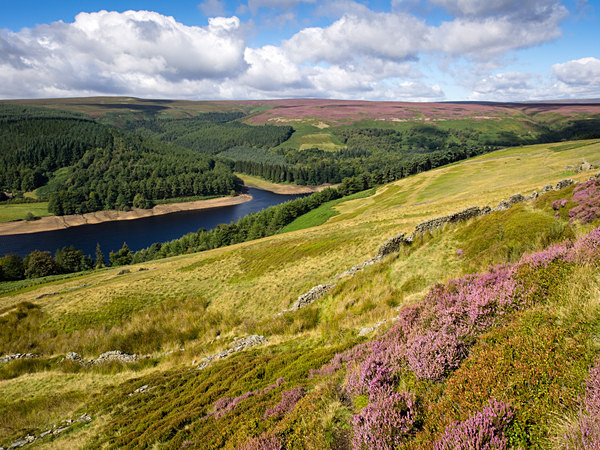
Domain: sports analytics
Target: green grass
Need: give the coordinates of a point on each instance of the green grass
(201, 301)
(56, 183)
(323, 213)
(10, 212)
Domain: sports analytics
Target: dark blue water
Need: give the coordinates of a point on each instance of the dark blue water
(138, 233)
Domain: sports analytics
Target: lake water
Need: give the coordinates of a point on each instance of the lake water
(138, 233)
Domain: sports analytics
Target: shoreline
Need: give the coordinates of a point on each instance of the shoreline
(283, 189)
(51, 223)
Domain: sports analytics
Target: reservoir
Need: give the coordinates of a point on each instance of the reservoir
(138, 233)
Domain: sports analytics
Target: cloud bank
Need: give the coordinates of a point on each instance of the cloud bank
(361, 54)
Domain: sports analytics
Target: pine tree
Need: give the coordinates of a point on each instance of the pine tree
(99, 257)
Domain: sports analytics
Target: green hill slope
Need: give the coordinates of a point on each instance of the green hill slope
(522, 354)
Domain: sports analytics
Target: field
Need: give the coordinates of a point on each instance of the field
(197, 304)
(18, 211)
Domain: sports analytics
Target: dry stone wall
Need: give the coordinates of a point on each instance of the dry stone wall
(236, 346)
(393, 244)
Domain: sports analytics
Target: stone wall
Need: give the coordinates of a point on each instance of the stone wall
(393, 244)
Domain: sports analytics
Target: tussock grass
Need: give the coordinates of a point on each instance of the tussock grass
(189, 300)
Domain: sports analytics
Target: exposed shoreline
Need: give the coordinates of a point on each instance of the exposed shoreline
(284, 189)
(51, 223)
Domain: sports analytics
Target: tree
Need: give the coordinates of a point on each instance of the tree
(122, 258)
(40, 264)
(99, 257)
(12, 268)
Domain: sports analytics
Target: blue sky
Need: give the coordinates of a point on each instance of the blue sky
(406, 50)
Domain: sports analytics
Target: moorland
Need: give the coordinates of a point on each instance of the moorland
(479, 331)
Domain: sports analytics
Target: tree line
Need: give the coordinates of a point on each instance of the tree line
(252, 226)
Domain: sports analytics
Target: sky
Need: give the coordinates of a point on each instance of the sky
(395, 50)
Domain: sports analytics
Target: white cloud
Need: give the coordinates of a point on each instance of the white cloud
(520, 10)
(580, 77)
(361, 54)
(394, 37)
(112, 53)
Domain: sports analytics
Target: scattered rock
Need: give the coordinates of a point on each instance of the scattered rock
(115, 355)
(123, 271)
(142, 390)
(55, 430)
(75, 357)
(236, 346)
(584, 166)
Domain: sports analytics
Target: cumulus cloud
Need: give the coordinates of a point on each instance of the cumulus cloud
(505, 87)
(521, 10)
(110, 52)
(580, 77)
(395, 37)
(361, 54)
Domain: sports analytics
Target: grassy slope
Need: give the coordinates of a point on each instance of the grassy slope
(189, 300)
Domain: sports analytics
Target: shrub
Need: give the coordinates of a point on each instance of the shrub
(484, 430)
(587, 197)
(287, 403)
(585, 432)
(386, 422)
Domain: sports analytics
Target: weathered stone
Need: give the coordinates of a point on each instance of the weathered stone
(237, 346)
(563, 184)
(439, 222)
(547, 188)
(7, 358)
(315, 293)
(584, 166)
(393, 244)
(115, 355)
(75, 357)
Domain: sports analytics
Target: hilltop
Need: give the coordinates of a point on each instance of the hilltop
(404, 341)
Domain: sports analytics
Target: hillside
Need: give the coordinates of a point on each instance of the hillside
(315, 141)
(456, 328)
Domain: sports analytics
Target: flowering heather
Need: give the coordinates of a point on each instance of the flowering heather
(484, 430)
(227, 404)
(459, 252)
(585, 433)
(388, 419)
(287, 403)
(264, 442)
(587, 197)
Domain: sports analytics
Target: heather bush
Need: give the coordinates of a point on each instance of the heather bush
(587, 197)
(226, 404)
(386, 422)
(585, 432)
(483, 430)
(264, 442)
(287, 403)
